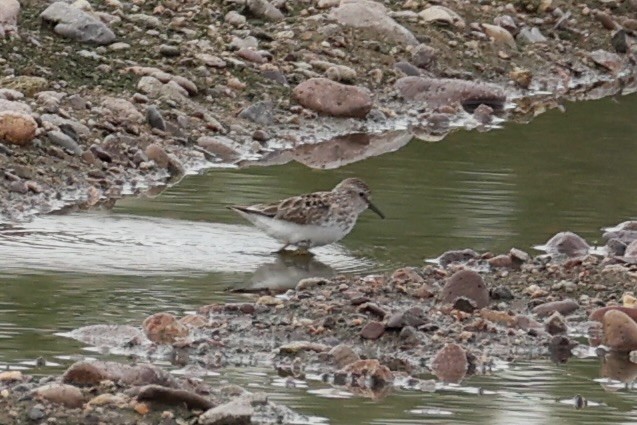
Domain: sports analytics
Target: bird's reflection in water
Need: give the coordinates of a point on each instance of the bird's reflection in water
(285, 272)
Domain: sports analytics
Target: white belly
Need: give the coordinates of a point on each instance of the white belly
(293, 233)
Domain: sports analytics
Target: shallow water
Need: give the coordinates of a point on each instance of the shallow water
(513, 187)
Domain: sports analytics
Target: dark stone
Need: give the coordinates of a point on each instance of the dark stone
(556, 325)
(501, 293)
(616, 247)
(620, 41)
(65, 141)
(466, 283)
(465, 304)
(154, 118)
(423, 56)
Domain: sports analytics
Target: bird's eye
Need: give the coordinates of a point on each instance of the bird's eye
(362, 194)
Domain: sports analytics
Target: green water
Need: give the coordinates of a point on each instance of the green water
(514, 187)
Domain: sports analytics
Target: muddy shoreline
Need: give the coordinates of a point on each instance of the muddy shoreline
(179, 88)
(470, 313)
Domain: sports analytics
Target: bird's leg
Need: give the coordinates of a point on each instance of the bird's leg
(304, 247)
(282, 250)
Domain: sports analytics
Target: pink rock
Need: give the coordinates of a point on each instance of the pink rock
(450, 364)
(620, 331)
(17, 128)
(598, 314)
(335, 99)
(438, 92)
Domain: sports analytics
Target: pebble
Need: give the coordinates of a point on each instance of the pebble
(373, 18)
(164, 328)
(468, 284)
(76, 24)
(17, 128)
(564, 307)
(64, 141)
(450, 364)
(372, 330)
(335, 99)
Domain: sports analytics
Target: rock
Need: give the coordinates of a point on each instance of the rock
(219, 146)
(235, 412)
(519, 256)
(91, 373)
(437, 92)
(175, 397)
(260, 113)
(610, 61)
(341, 73)
(414, 316)
(556, 324)
(334, 99)
(442, 15)
(564, 307)
(424, 56)
(10, 375)
(484, 115)
(598, 314)
(342, 355)
(9, 11)
(64, 141)
(465, 305)
(77, 127)
(36, 413)
(522, 77)
(620, 41)
(64, 394)
(17, 128)
(108, 399)
(9, 105)
(407, 68)
(371, 368)
(25, 84)
(631, 250)
(468, 284)
(164, 328)
(450, 364)
(620, 331)
(372, 330)
(457, 256)
(616, 247)
(531, 35)
(560, 348)
(499, 35)
(297, 346)
(76, 24)
(121, 111)
(567, 243)
(501, 293)
(235, 19)
(373, 18)
(263, 9)
(154, 118)
(500, 261)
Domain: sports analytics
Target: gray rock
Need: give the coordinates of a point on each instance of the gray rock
(235, 412)
(9, 11)
(76, 24)
(423, 56)
(407, 69)
(155, 119)
(372, 17)
(58, 121)
(531, 35)
(64, 141)
(260, 113)
(36, 413)
(263, 9)
(567, 243)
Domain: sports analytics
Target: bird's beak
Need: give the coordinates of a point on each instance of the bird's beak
(375, 209)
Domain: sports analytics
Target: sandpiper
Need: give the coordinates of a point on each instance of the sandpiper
(313, 219)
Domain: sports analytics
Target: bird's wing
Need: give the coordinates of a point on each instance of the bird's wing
(304, 209)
